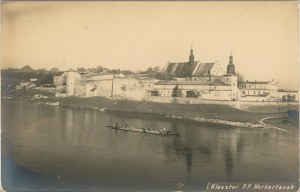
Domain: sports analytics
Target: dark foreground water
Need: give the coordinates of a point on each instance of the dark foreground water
(51, 148)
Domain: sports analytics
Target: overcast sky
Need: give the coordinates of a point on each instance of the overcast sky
(263, 36)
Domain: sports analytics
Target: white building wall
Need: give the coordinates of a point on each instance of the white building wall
(104, 88)
(128, 88)
(252, 91)
(284, 94)
(71, 79)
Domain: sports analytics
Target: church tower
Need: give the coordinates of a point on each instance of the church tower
(191, 59)
(230, 66)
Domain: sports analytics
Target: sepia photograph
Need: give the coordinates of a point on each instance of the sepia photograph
(149, 96)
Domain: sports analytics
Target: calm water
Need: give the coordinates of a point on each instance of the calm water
(47, 147)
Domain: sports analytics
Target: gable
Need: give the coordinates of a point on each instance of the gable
(216, 70)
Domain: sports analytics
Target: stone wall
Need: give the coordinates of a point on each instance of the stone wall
(264, 107)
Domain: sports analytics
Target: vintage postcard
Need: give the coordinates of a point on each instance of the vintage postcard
(150, 96)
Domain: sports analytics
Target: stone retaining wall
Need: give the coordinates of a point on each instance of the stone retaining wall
(243, 105)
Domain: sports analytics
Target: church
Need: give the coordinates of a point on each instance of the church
(201, 80)
(192, 79)
(207, 81)
(194, 68)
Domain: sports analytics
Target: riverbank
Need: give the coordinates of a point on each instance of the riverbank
(212, 113)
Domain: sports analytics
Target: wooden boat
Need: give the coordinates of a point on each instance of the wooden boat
(144, 130)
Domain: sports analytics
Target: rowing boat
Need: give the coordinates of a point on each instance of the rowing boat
(144, 130)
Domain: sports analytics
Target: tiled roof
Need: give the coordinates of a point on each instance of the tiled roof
(203, 69)
(289, 91)
(192, 83)
(97, 78)
(183, 69)
(261, 95)
(255, 82)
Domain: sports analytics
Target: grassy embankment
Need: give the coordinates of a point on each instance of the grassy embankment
(207, 111)
(211, 111)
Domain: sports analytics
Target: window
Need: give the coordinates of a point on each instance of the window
(243, 92)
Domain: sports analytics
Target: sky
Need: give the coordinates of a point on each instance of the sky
(262, 36)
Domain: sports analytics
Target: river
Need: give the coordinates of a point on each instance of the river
(47, 147)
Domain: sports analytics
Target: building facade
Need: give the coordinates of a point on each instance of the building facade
(258, 91)
(193, 79)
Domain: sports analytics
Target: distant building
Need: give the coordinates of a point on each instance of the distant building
(288, 95)
(33, 79)
(258, 91)
(206, 82)
(26, 85)
(65, 83)
(194, 69)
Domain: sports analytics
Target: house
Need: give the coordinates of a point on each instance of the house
(94, 85)
(65, 83)
(288, 95)
(26, 85)
(33, 79)
(258, 91)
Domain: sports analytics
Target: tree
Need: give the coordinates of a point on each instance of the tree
(156, 69)
(176, 92)
(81, 70)
(99, 69)
(240, 77)
(54, 70)
(149, 70)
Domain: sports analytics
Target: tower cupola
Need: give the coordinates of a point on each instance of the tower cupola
(191, 58)
(230, 66)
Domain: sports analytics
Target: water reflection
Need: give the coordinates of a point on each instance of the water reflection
(76, 145)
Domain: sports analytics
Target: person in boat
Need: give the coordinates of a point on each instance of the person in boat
(144, 130)
(164, 130)
(117, 125)
(125, 125)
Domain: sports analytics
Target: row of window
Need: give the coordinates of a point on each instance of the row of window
(255, 93)
(252, 86)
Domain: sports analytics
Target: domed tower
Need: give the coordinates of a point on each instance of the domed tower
(230, 66)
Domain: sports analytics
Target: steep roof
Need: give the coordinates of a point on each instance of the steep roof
(203, 69)
(183, 69)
